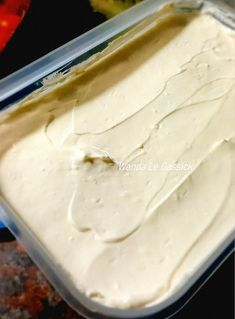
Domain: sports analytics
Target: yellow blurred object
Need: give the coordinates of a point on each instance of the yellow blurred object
(111, 8)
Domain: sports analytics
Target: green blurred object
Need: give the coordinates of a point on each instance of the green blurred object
(111, 8)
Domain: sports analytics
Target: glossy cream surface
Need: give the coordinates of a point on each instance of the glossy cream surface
(126, 172)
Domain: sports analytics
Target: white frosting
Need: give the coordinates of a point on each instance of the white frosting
(126, 174)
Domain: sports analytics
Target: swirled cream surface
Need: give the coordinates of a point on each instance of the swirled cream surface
(126, 172)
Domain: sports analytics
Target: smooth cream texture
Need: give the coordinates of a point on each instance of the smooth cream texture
(126, 174)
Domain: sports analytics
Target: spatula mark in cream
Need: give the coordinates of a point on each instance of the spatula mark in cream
(184, 68)
(104, 212)
(101, 217)
(93, 215)
(54, 127)
(215, 215)
(159, 90)
(155, 202)
(134, 114)
(207, 209)
(162, 111)
(189, 102)
(51, 118)
(151, 124)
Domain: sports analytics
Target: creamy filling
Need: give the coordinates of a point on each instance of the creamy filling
(126, 173)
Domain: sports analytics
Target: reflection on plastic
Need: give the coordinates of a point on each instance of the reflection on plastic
(1, 225)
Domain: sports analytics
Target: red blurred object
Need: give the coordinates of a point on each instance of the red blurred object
(11, 14)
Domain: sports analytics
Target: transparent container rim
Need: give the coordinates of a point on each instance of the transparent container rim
(58, 58)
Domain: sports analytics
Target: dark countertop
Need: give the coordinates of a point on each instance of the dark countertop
(24, 291)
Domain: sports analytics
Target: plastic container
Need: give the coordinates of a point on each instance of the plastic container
(27, 80)
(2, 225)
